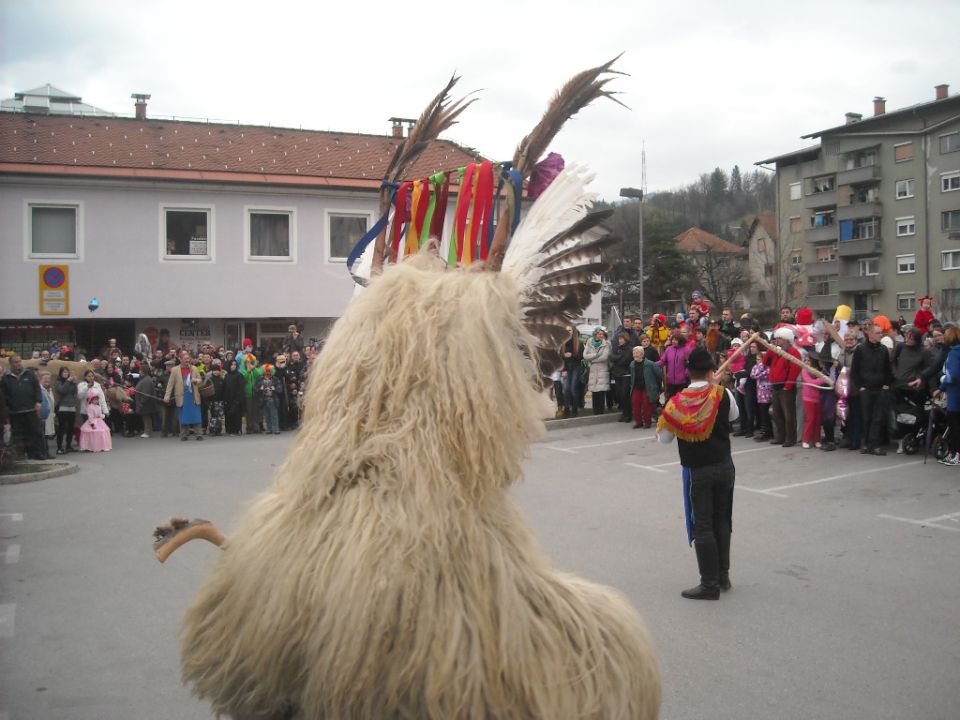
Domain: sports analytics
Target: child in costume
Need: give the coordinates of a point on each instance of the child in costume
(94, 433)
(924, 315)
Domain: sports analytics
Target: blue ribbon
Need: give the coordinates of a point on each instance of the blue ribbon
(517, 180)
(688, 503)
(368, 238)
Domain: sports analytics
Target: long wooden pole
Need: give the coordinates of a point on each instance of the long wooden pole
(760, 338)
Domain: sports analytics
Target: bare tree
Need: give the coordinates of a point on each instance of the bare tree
(724, 275)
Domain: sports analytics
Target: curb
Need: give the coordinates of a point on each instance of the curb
(53, 472)
(564, 423)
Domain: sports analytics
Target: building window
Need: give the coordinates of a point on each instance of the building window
(345, 231)
(950, 220)
(906, 301)
(904, 189)
(761, 245)
(865, 229)
(906, 226)
(826, 253)
(822, 184)
(951, 301)
(270, 234)
(906, 263)
(53, 230)
(950, 143)
(950, 260)
(796, 224)
(768, 270)
(822, 285)
(187, 233)
(796, 257)
(864, 158)
(869, 267)
(874, 303)
(823, 218)
(761, 296)
(903, 152)
(950, 181)
(796, 191)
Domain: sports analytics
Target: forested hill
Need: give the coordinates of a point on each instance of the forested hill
(718, 201)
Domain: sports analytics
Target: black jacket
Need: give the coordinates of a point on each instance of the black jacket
(620, 358)
(22, 391)
(576, 354)
(871, 368)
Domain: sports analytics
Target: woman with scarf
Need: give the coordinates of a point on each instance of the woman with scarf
(596, 355)
(251, 376)
(233, 399)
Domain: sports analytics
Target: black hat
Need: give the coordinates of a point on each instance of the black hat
(700, 360)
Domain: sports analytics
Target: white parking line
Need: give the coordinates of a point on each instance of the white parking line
(6, 620)
(576, 448)
(654, 468)
(867, 471)
(930, 522)
(15, 517)
(12, 554)
(757, 490)
(736, 452)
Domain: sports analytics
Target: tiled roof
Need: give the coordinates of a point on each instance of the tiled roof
(696, 240)
(128, 147)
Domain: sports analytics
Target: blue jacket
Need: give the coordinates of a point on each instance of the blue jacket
(951, 379)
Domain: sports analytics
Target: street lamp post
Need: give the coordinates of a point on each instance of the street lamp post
(638, 194)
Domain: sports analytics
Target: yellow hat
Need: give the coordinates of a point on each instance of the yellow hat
(843, 312)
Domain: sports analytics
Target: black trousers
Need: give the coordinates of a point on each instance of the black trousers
(711, 496)
(873, 410)
(623, 396)
(27, 432)
(65, 424)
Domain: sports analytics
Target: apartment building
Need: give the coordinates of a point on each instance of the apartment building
(870, 216)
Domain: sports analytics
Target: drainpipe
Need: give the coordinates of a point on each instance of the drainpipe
(926, 201)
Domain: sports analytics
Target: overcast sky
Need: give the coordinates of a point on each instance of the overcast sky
(710, 83)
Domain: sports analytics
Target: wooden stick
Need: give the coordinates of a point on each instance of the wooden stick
(760, 338)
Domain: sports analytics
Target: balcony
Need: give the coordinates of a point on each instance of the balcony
(860, 283)
(860, 210)
(830, 267)
(856, 176)
(822, 233)
(859, 248)
(822, 302)
(820, 200)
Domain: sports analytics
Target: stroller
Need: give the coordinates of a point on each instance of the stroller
(937, 430)
(910, 413)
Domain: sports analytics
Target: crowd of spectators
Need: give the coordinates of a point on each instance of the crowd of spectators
(870, 374)
(199, 392)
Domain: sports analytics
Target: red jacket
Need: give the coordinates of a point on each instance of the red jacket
(782, 371)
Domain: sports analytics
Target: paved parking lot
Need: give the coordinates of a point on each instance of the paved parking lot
(845, 574)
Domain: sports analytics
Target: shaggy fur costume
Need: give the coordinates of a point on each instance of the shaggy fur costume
(385, 574)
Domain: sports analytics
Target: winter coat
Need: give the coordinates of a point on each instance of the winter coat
(22, 391)
(599, 359)
(49, 428)
(83, 390)
(951, 379)
(234, 387)
(783, 373)
(66, 392)
(674, 359)
(761, 375)
(269, 390)
(176, 387)
(649, 379)
(575, 348)
(145, 399)
(910, 363)
(871, 367)
(621, 357)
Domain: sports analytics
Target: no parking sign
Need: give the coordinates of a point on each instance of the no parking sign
(54, 290)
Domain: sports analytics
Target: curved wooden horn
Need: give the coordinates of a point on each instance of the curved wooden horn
(759, 337)
(178, 531)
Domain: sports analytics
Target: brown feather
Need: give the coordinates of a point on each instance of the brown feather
(582, 89)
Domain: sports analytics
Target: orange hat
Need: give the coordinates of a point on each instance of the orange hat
(883, 322)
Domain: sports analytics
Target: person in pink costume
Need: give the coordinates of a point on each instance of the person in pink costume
(810, 393)
(94, 433)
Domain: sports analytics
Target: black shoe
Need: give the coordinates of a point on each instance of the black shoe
(725, 582)
(748, 434)
(739, 433)
(774, 441)
(199, 437)
(762, 437)
(878, 451)
(184, 438)
(864, 450)
(788, 444)
(845, 444)
(701, 592)
(828, 446)
(59, 451)
(637, 426)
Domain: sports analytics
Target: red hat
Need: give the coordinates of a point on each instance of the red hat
(247, 342)
(804, 316)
